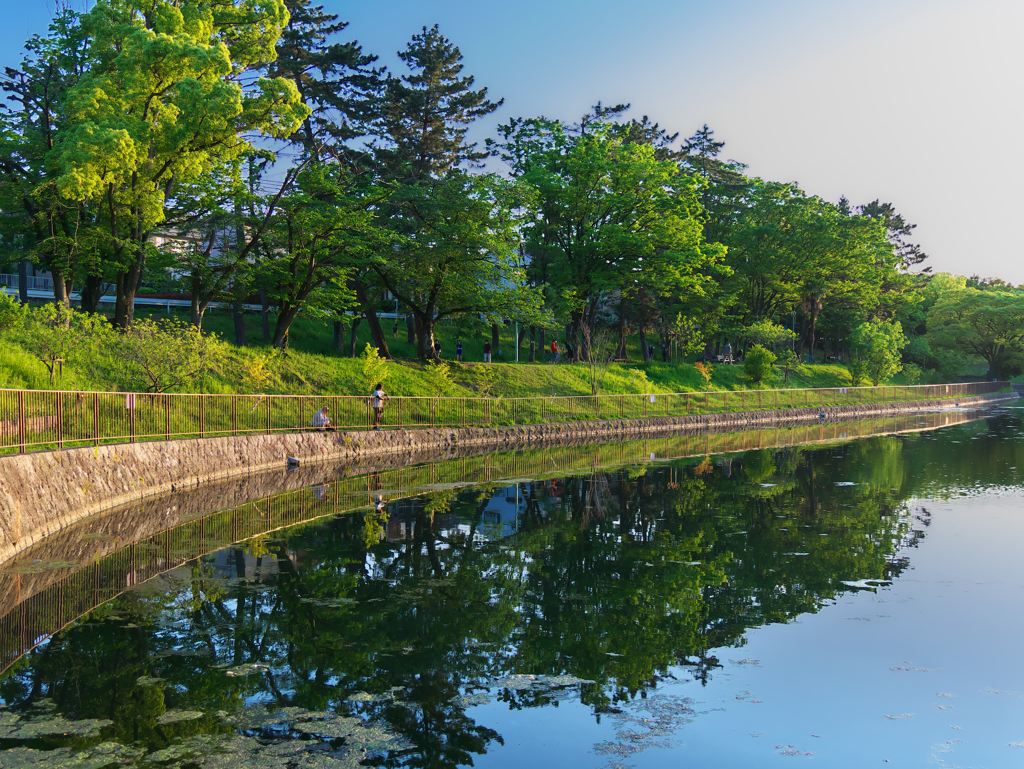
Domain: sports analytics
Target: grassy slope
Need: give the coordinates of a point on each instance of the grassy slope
(311, 366)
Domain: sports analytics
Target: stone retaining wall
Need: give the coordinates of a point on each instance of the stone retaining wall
(43, 492)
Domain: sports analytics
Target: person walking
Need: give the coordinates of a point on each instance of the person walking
(570, 353)
(664, 352)
(458, 350)
(487, 352)
(378, 397)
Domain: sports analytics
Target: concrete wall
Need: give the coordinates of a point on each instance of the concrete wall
(43, 492)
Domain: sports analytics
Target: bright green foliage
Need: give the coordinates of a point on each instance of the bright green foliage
(769, 335)
(611, 217)
(439, 377)
(758, 364)
(375, 368)
(458, 253)
(911, 373)
(790, 251)
(163, 102)
(320, 233)
(876, 349)
(58, 336)
(164, 355)
(987, 324)
(11, 314)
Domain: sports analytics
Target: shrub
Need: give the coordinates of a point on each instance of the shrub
(911, 374)
(375, 368)
(876, 347)
(11, 313)
(758, 364)
(164, 355)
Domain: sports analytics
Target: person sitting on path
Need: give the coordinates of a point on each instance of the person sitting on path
(322, 419)
(378, 396)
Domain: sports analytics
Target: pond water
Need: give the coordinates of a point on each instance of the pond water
(852, 603)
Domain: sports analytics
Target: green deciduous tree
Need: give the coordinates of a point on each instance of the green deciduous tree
(985, 324)
(757, 364)
(164, 355)
(875, 347)
(612, 217)
(162, 101)
(59, 336)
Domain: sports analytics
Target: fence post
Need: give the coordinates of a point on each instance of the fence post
(96, 419)
(234, 415)
(22, 432)
(60, 420)
(202, 415)
(167, 417)
(270, 400)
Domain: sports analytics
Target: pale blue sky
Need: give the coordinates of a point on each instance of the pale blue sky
(916, 102)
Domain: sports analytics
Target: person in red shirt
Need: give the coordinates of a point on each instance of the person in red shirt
(554, 349)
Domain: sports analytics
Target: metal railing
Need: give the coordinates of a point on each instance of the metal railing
(47, 419)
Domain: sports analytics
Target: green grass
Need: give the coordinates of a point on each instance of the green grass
(311, 366)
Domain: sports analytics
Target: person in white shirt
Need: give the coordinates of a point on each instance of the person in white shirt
(378, 396)
(322, 419)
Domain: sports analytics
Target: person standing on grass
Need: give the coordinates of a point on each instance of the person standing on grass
(378, 396)
(554, 350)
(487, 352)
(458, 350)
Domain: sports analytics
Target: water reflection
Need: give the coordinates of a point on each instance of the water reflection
(374, 635)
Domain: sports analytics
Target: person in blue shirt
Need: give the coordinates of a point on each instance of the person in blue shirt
(458, 350)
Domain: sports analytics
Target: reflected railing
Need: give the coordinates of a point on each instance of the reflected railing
(43, 591)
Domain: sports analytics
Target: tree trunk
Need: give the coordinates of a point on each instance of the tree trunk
(196, 310)
(352, 337)
(376, 332)
(127, 284)
(533, 344)
(540, 343)
(425, 335)
(265, 314)
(61, 289)
(410, 328)
(239, 319)
(338, 341)
(284, 322)
(23, 281)
(643, 344)
(494, 341)
(92, 291)
(620, 349)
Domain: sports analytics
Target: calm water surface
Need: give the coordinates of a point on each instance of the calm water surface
(850, 605)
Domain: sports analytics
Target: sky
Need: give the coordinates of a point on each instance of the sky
(914, 102)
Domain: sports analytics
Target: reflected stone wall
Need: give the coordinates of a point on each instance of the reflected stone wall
(42, 493)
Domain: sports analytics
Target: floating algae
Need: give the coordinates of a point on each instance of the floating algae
(103, 755)
(175, 716)
(647, 723)
(13, 727)
(246, 669)
(328, 601)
